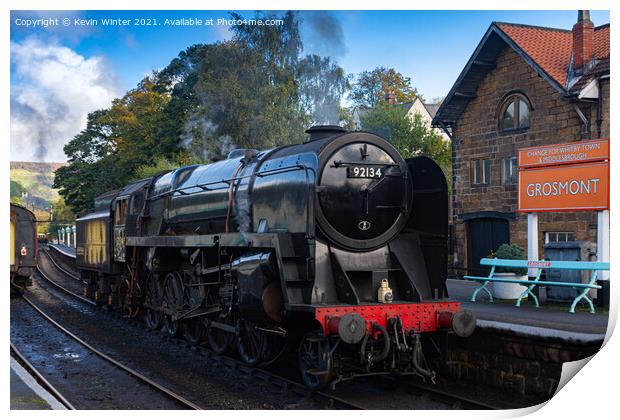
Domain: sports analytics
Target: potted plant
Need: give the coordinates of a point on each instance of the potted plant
(509, 290)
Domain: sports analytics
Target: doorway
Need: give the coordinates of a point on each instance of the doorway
(484, 235)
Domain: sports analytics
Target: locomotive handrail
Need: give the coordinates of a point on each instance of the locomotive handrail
(204, 186)
(593, 266)
(338, 163)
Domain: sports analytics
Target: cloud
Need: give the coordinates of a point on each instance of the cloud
(53, 89)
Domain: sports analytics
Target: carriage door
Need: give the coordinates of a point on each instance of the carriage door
(120, 218)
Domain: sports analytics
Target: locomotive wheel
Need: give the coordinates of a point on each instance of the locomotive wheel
(173, 293)
(153, 298)
(153, 319)
(125, 300)
(250, 342)
(194, 331)
(218, 340)
(314, 361)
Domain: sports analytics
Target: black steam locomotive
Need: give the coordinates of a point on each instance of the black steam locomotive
(336, 248)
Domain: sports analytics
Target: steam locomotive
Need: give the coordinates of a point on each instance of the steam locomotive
(335, 249)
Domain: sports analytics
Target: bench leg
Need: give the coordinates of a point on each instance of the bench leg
(483, 287)
(583, 295)
(526, 292)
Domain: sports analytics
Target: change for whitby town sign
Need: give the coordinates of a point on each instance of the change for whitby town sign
(564, 177)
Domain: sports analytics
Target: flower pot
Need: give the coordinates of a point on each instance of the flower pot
(508, 290)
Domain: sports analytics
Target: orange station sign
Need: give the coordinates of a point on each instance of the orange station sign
(564, 177)
(565, 153)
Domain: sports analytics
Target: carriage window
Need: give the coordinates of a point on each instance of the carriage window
(514, 113)
(120, 214)
(136, 204)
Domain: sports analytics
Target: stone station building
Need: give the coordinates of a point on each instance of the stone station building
(523, 86)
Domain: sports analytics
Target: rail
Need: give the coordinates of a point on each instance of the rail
(178, 398)
(255, 373)
(21, 359)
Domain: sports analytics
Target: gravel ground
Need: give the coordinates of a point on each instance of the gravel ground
(85, 379)
(58, 276)
(178, 367)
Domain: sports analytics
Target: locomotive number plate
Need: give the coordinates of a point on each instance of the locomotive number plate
(364, 172)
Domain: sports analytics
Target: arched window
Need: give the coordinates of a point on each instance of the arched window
(514, 113)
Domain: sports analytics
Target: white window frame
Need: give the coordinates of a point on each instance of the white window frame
(557, 236)
(514, 171)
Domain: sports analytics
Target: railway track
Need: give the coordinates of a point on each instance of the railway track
(265, 377)
(180, 400)
(21, 359)
(253, 374)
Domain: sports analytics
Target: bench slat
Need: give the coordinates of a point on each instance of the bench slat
(562, 265)
(542, 283)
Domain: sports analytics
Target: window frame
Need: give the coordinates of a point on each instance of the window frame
(557, 233)
(507, 178)
(485, 166)
(514, 98)
(121, 211)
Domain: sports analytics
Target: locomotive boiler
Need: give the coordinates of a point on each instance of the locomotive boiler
(335, 248)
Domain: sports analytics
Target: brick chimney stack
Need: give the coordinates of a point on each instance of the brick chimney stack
(583, 40)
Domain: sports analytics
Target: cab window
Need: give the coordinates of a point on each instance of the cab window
(120, 213)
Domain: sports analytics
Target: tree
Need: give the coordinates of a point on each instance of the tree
(16, 193)
(115, 142)
(409, 135)
(61, 217)
(322, 83)
(253, 91)
(372, 87)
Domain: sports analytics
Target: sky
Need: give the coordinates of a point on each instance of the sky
(61, 73)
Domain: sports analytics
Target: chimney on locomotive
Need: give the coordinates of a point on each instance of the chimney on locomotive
(318, 132)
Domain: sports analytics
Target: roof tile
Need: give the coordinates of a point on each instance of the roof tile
(551, 48)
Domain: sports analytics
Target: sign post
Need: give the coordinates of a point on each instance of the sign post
(602, 242)
(532, 242)
(565, 177)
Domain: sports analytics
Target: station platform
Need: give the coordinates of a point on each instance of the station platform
(549, 320)
(27, 394)
(69, 251)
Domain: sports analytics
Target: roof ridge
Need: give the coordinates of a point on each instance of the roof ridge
(523, 25)
(606, 25)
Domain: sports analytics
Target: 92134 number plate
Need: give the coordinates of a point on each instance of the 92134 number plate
(365, 172)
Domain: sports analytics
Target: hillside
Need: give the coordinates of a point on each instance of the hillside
(33, 182)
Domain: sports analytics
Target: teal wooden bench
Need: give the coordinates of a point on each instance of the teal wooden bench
(583, 288)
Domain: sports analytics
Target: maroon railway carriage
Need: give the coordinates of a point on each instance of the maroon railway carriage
(23, 246)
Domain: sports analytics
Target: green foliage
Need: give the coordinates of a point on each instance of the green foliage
(409, 135)
(372, 87)
(162, 165)
(16, 192)
(35, 184)
(61, 217)
(510, 252)
(322, 84)
(115, 142)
